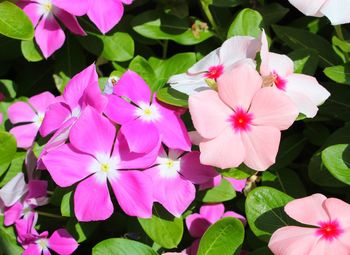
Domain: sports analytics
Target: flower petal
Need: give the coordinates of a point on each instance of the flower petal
(119, 110)
(12, 214)
(261, 146)
(62, 242)
(92, 201)
(309, 8)
(212, 59)
(238, 86)
(276, 63)
(197, 225)
(337, 11)
(75, 7)
(188, 84)
(25, 134)
(21, 112)
(55, 116)
(32, 249)
(209, 114)
(69, 21)
(12, 191)
(338, 210)
(41, 101)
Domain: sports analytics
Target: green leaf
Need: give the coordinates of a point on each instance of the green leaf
(172, 97)
(119, 246)
(15, 167)
(67, 204)
(155, 25)
(220, 193)
(247, 22)
(81, 230)
(61, 80)
(117, 47)
(336, 158)
(8, 240)
(163, 228)
(339, 74)
(272, 13)
(305, 61)
(341, 44)
(239, 173)
(14, 22)
(8, 88)
(225, 237)
(264, 211)
(8, 148)
(141, 66)
(30, 51)
(301, 39)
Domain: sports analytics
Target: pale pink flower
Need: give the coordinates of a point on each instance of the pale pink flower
(29, 116)
(242, 121)
(102, 158)
(328, 231)
(105, 14)
(215, 64)
(303, 90)
(139, 112)
(43, 14)
(337, 11)
(174, 176)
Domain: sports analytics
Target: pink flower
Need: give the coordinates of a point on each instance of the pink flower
(101, 158)
(198, 223)
(105, 14)
(242, 121)
(174, 176)
(328, 231)
(61, 242)
(82, 90)
(215, 64)
(43, 13)
(138, 112)
(31, 113)
(303, 90)
(337, 11)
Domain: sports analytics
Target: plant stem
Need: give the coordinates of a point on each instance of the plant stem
(339, 33)
(206, 10)
(51, 215)
(165, 49)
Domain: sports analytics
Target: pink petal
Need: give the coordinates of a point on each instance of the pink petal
(209, 114)
(292, 240)
(98, 129)
(127, 1)
(323, 247)
(235, 215)
(192, 170)
(197, 225)
(49, 35)
(219, 151)
(94, 98)
(62, 242)
(134, 132)
(119, 110)
(271, 107)
(133, 190)
(132, 160)
(133, 87)
(32, 249)
(75, 7)
(32, 10)
(338, 210)
(69, 21)
(238, 185)
(92, 201)
(25, 135)
(172, 129)
(75, 88)
(55, 116)
(212, 212)
(337, 11)
(261, 146)
(36, 189)
(280, 64)
(310, 7)
(20, 112)
(41, 101)
(211, 183)
(12, 191)
(63, 162)
(174, 193)
(313, 205)
(13, 213)
(238, 86)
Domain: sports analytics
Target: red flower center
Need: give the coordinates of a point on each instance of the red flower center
(279, 81)
(215, 72)
(241, 120)
(329, 230)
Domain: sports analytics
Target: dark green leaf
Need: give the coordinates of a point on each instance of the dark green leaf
(119, 246)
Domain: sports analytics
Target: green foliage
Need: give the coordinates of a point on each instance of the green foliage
(119, 246)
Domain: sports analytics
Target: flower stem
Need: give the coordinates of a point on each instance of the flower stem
(339, 33)
(51, 215)
(206, 10)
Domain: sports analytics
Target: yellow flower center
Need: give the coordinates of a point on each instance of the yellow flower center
(105, 168)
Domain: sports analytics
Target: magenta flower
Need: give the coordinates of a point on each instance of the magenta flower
(174, 176)
(43, 14)
(328, 231)
(242, 121)
(134, 107)
(32, 114)
(105, 14)
(101, 158)
(61, 242)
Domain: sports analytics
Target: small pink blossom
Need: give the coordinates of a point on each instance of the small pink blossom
(43, 14)
(242, 121)
(32, 114)
(139, 112)
(304, 90)
(337, 11)
(328, 230)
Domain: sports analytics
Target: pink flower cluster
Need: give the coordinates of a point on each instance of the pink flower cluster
(49, 36)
